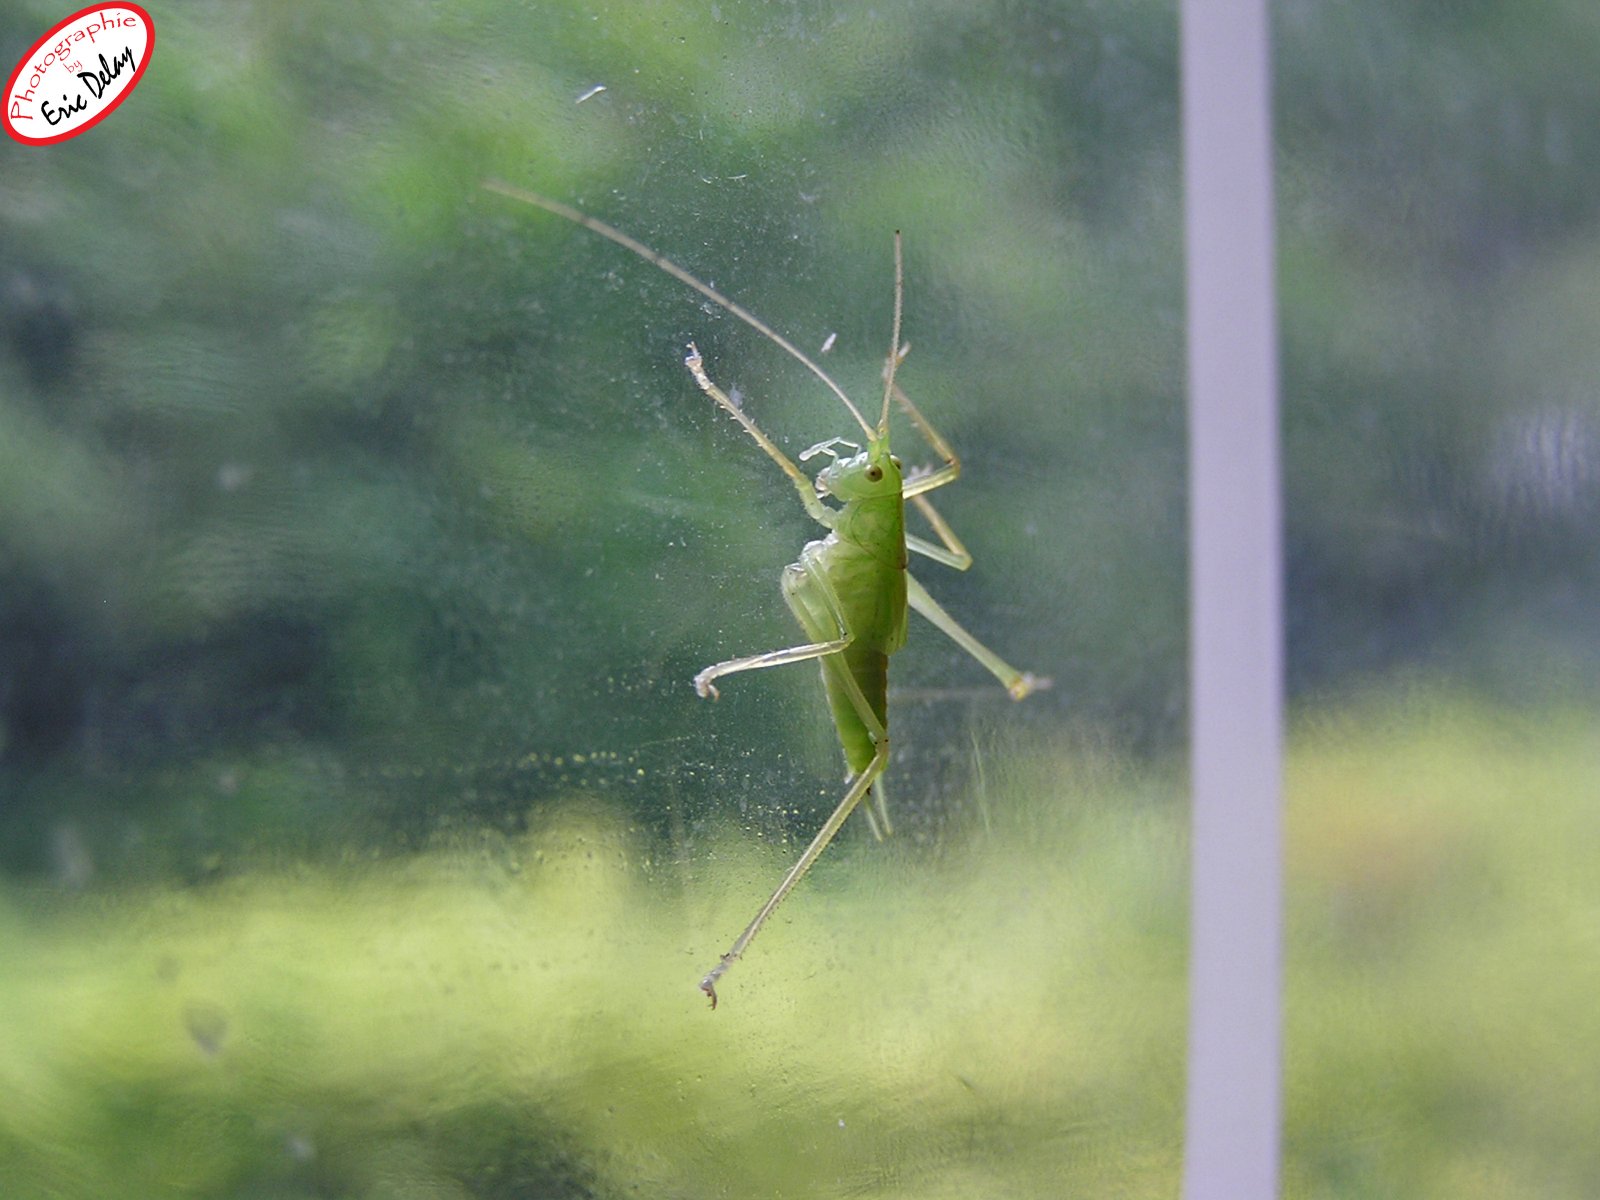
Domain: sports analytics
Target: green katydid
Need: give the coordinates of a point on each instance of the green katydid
(849, 591)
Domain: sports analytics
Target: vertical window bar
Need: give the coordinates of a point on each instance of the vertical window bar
(1235, 1006)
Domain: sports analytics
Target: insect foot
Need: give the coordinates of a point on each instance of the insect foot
(1025, 686)
(708, 985)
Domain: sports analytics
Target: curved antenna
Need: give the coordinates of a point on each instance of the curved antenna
(894, 337)
(671, 268)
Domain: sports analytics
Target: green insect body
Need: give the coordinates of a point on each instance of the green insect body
(865, 561)
(849, 591)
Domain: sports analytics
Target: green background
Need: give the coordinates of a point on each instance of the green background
(360, 532)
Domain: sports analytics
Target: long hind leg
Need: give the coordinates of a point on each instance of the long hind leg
(811, 598)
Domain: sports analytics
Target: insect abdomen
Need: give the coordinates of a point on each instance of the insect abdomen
(869, 667)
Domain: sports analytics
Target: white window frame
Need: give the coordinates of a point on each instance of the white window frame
(1234, 1102)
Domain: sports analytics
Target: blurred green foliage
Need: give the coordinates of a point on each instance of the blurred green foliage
(356, 524)
(1441, 338)
(335, 487)
(317, 461)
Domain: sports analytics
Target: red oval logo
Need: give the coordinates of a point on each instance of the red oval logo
(77, 73)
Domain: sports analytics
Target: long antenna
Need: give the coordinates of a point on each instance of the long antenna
(894, 339)
(671, 268)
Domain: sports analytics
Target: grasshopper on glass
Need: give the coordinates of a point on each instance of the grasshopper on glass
(851, 590)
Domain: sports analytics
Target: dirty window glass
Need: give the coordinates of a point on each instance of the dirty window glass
(362, 532)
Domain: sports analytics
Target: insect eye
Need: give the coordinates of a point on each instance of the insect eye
(895, 459)
(874, 473)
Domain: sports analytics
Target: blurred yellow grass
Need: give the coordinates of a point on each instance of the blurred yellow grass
(1000, 1015)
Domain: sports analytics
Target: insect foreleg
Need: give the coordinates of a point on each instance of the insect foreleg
(1018, 683)
(952, 553)
(949, 469)
(803, 484)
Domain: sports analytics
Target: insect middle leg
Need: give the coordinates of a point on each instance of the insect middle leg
(1019, 683)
